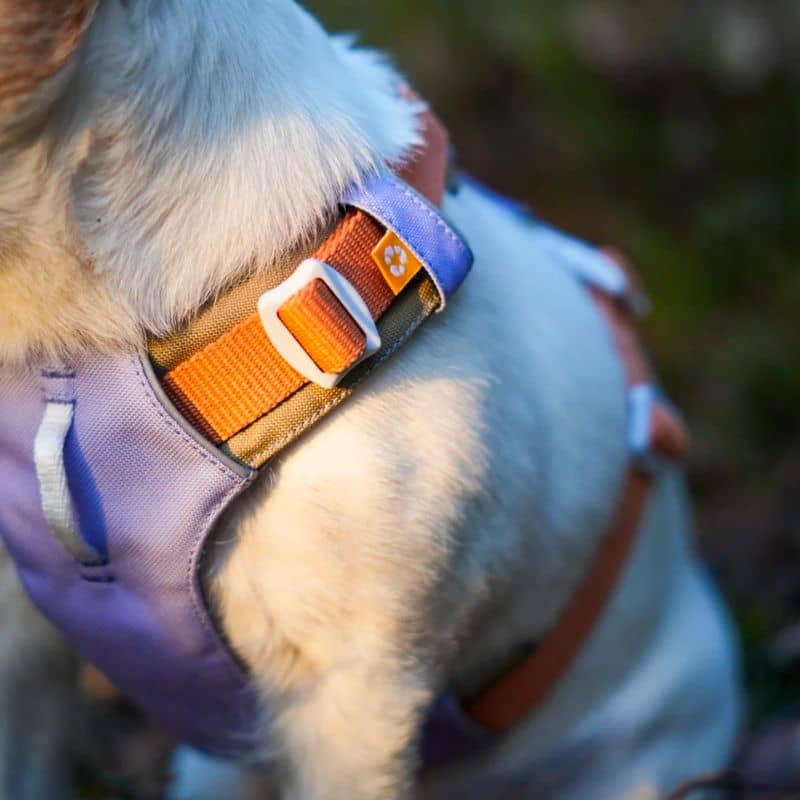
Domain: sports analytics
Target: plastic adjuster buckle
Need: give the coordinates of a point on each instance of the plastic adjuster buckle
(642, 401)
(284, 341)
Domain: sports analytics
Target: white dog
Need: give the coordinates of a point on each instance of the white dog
(150, 152)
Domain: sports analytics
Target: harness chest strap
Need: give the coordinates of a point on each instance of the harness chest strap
(131, 521)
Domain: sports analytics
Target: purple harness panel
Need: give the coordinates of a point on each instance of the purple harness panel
(146, 493)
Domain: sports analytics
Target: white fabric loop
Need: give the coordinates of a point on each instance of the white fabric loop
(48, 455)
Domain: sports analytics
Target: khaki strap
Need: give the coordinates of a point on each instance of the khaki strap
(241, 376)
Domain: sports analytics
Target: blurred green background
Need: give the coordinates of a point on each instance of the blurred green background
(670, 128)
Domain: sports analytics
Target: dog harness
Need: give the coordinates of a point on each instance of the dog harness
(114, 468)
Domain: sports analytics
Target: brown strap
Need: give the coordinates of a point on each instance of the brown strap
(668, 433)
(515, 695)
(418, 171)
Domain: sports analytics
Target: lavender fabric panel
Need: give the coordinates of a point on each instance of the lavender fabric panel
(442, 251)
(151, 493)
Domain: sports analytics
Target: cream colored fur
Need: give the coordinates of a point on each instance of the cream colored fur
(440, 519)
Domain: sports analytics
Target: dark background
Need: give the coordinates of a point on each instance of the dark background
(671, 129)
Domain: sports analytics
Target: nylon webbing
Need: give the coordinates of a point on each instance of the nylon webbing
(269, 434)
(317, 306)
(241, 376)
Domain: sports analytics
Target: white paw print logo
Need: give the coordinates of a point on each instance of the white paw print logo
(396, 259)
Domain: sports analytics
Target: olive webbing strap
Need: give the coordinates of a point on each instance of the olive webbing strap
(241, 376)
(268, 435)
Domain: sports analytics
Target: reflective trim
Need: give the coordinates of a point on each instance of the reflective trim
(48, 456)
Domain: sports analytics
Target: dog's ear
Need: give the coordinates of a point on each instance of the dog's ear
(37, 38)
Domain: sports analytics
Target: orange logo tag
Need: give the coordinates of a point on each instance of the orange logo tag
(397, 263)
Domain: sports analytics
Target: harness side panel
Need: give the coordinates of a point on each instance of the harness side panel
(146, 494)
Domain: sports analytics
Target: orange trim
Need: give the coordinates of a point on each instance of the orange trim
(513, 697)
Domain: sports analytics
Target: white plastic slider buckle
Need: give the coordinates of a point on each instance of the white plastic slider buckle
(284, 341)
(641, 401)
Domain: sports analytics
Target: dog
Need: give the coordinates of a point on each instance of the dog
(153, 154)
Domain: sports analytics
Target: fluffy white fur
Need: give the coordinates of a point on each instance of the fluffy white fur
(442, 517)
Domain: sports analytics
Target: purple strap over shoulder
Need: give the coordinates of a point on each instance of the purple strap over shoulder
(443, 252)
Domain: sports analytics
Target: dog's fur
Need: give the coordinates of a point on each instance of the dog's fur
(416, 538)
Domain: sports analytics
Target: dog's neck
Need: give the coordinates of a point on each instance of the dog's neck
(194, 142)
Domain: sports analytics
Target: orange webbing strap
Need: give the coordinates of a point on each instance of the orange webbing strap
(315, 306)
(514, 696)
(241, 376)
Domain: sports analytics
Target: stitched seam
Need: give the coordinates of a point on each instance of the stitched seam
(200, 610)
(58, 386)
(199, 605)
(60, 397)
(435, 217)
(390, 221)
(389, 217)
(307, 422)
(55, 373)
(228, 473)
